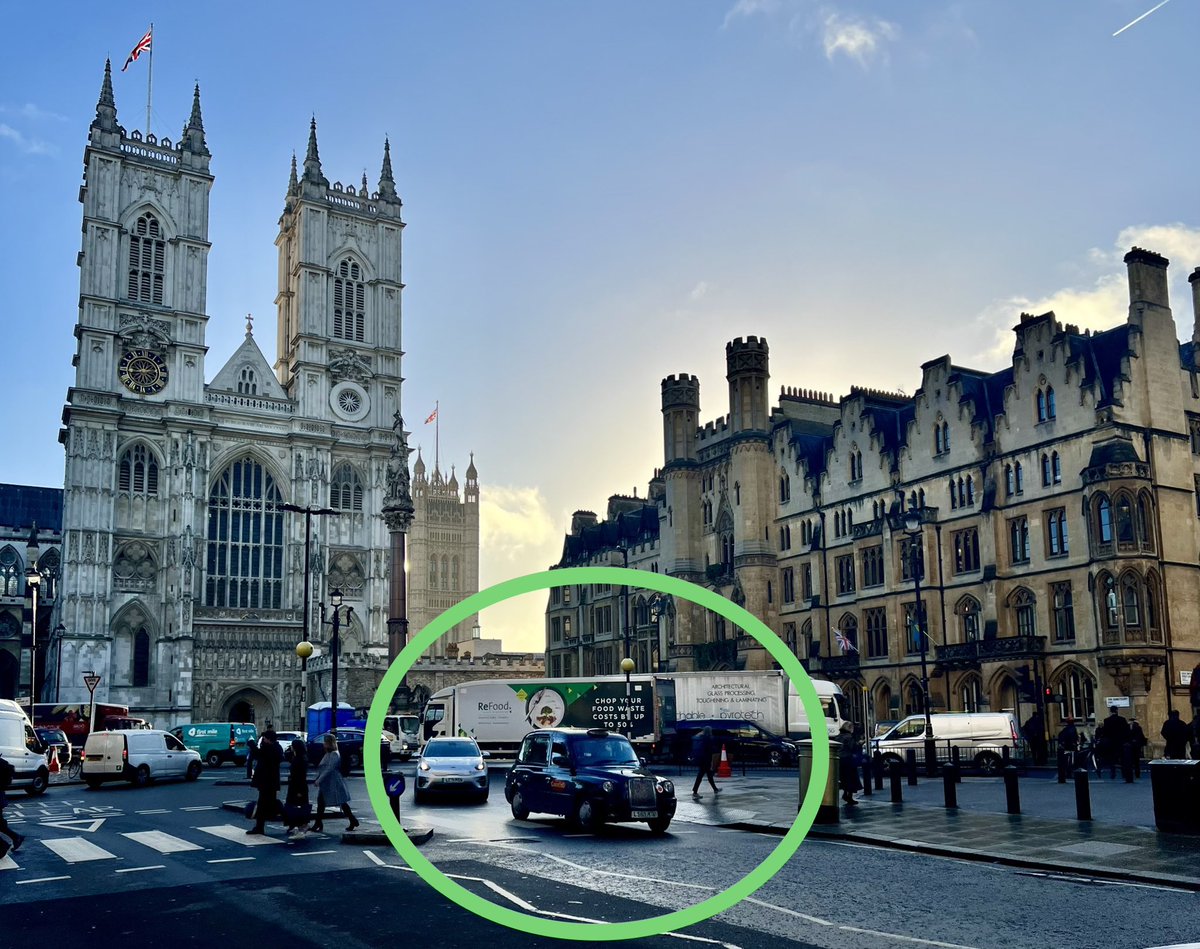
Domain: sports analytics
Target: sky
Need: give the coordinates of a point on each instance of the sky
(601, 195)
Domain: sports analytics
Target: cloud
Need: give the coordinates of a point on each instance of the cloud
(33, 112)
(855, 38)
(1105, 301)
(699, 291)
(516, 526)
(31, 146)
(748, 8)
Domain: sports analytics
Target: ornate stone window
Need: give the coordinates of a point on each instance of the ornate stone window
(1079, 695)
(1104, 531)
(1024, 607)
(134, 567)
(12, 573)
(968, 618)
(147, 257)
(349, 302)
(970, 690)
(137, 472)
(345, 488)
(346, 574)
(1064, 612)
(247, 382)
(245, 538)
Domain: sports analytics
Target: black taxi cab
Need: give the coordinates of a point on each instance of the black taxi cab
(590, 776)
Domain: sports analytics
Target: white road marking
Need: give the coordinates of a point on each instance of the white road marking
(163, 843)
(610, 873)
(159, 866)
(83, 824)
(154, 810)
(203, 807)
(312, 853)
(384, 863)
(897, 936)
(77, 850)
(8, 863)
(42, 880)
(584, 919)
(238, 835)
(232, 860)
(789, 912)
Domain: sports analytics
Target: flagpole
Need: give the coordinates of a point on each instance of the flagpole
(437, 424)
(149, 80)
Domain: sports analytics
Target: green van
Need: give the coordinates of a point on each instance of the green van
(217, 742)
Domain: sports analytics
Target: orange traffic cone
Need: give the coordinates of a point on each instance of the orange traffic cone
(55, 767)
(723, 769)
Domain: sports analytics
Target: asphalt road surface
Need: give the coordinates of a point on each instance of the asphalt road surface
(167, 863)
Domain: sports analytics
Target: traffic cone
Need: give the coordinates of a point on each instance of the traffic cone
(723, 769)
(55, 767)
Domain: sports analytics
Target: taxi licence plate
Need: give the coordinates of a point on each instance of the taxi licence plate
(641, 815)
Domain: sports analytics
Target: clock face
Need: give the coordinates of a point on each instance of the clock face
(142, 371)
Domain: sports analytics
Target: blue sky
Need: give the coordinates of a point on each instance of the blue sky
(601, 195)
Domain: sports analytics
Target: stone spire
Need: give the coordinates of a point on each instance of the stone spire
(293, 183)
(397, 502)
(312, 160)
(366, 191)
(193, 132)
(106, 107)
(387, 184)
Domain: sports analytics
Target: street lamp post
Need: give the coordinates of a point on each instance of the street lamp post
(910, 522)
(335, 600)
(627, 668)
(304, 649)
(625, 606)
(33, 580)
(656, 614)
(60, 632)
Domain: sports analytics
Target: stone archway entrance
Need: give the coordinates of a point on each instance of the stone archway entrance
(249, 705)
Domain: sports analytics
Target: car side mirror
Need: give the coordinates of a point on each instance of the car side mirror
(561, 761)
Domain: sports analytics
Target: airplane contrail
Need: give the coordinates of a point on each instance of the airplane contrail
(1142, 17)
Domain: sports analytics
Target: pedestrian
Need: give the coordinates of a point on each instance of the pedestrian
(296, 808)
(848, 761)
(1035, 734)
(705, 754)
(251, 755)
(331, 786)
(1137, 746)
(1175, 733)
(9, 838)
(1068, 743)
(1196, 735)
(1115, 736)
(266, 779)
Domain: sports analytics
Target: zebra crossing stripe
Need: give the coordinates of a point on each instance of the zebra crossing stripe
(163, 843)
(8, 863)
(77, 850)
(238, 835)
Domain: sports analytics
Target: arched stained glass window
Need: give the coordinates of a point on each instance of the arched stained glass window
(345, 488)
(349, 302)
(147, 260)
(245, 539)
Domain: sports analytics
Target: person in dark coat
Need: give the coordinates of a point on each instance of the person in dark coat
(266, 779)
(1137, 746)
(1035, 734)
(10, 839)
(295, 803)
(848, 763)
(1115, 734)
(1175, 734)
(1196, 735)
(1068, 742)
(251, 755)
(704, 752)
(331, 786)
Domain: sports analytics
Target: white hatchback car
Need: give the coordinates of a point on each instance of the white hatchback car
(138, 756)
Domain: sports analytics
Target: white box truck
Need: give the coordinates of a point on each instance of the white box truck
(768, 698)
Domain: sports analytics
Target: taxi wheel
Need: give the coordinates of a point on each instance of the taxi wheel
(659, 825)
(589, 816)
(519, 810)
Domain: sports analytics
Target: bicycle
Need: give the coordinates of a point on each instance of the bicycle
(74, 767)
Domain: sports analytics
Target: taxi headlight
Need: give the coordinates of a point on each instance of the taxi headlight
(607, 787)
(665, 787)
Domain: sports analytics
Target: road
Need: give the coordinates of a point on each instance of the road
(171, 852)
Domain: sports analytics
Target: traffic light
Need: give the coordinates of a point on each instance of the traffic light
(1026, 687)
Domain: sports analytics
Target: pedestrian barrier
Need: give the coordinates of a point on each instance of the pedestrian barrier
(724, 771)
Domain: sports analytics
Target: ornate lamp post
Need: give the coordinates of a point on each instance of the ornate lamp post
(304, 649)
(657, 608)
(60, 633)
(33, 580)
(911, 522)
(627, 668)
(335, 600)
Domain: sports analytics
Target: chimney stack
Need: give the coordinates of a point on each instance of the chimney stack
(1147, 278)
(1194, 280)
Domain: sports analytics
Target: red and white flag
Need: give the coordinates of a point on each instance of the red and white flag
(843, 642)
(142, 45)
(432, 416)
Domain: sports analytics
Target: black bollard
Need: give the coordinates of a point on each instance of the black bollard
(877, 760)
(396, 806)
(910, 764)
(1006, 754)
(1011, 792)
(1063, 765)
(956, 760)
(866, 770)
(931, 764)
(897, 794)
(1083, 798)
(949, 787)
(1127, 762)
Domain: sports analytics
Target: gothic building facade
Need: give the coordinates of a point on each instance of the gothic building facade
(1054, 524)
(183, 572)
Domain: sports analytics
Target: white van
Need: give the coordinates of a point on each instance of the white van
(981, 738)
(832, 701)
(23, 750)
(137, 755)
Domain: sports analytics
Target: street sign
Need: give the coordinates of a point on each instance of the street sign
(395, 786)
(1117, 701)
(1185, 676)
(91, 681)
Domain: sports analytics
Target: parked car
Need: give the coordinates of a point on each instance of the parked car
(217, 742)
(137, 755)
(591, 777)
(55, 739)
(23, 749)
(285, 740)
(454, 766)
(742, 741)
(980, 737)
(350, 747)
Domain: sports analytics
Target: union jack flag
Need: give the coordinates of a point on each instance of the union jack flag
(843, 643)
(432, 416)
(142, 45)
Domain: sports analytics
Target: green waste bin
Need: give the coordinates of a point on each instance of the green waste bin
(1176, 788)
(827, 813)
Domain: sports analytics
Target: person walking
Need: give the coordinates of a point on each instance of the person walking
(1115, 736)
(1175, 733)
(704, 751)
(1068, 743)
(296, 808)
(1196, 735)
(1137, 746)
(1035, 735)
(251, 755)
(9, 838)
(848, 756)
(266, 779)
(331, 786)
